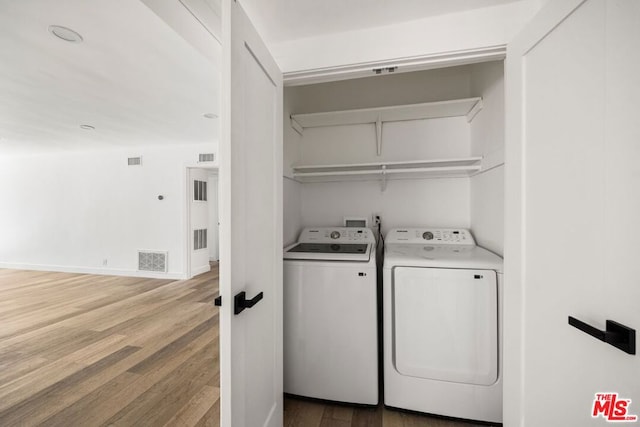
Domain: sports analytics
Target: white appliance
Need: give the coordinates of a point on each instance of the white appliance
(442, 324)
(330, 316)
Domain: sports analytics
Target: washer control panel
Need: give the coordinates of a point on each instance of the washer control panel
(337, 235)
(448, 236)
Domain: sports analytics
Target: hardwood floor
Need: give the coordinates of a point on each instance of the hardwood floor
(83, 350)
(306, 413)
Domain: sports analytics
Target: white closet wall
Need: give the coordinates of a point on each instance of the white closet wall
(292, 214)
(487, 140)
(410, 202)
(476, 202)
(405, 203)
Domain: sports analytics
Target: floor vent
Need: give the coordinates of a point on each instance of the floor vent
(206, 157)
(134, 161)
(152, 261)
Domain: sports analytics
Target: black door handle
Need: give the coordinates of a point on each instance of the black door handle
(218, 301)
(616, 334)
(240, 302)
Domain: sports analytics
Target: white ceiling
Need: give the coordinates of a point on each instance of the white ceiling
(132, 77)
(282, 20)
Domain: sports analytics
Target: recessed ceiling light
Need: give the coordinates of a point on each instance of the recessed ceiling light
(87, 127)
(210, 115)
(65, 34)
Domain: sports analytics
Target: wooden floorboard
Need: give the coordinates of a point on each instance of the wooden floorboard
(311, 413)
(86, 350)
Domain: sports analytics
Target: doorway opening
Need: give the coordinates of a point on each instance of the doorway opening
(202, 223)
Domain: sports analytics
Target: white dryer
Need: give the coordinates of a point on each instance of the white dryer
(442, 324)
(330, 316)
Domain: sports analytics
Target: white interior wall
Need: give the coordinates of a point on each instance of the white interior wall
(487, 140)
(73, 211)
(405, 203)
(292, 214)
(292, 211)
(478, 28)
(415, 202)
(409, 140)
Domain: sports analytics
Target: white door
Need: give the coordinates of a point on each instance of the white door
(198, 221)
(251, 227)
(214, 220)
(573, 206)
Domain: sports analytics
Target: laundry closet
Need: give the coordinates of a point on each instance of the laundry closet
(417, 148)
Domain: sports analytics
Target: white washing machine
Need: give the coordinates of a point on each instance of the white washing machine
(330, 316)
(442, 324)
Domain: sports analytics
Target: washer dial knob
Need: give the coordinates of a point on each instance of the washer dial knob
(335, 234)
(427, 235)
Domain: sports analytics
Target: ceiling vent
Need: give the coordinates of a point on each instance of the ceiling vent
(134, 161)
(152, 261)
(206, 157)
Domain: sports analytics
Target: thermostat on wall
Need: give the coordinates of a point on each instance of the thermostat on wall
(355, 221)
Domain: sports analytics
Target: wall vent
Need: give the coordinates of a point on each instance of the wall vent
(199, 190)
(152, 261)
(199, 239)
(206, 157)
(134, 161)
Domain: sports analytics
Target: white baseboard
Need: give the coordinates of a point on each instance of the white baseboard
(90, 270)
(200, 270)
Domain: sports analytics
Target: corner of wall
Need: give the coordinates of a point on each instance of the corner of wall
(487, 141)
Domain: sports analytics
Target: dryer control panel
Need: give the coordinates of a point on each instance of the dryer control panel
(447, 236)
(337, 235)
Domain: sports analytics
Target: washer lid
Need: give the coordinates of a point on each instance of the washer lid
(329, 251)
(440, 256)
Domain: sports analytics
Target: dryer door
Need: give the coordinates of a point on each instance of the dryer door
(446, 324)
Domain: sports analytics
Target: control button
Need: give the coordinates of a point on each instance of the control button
(427, 235)
(335, 234)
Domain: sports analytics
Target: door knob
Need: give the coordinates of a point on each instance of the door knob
(240, 302)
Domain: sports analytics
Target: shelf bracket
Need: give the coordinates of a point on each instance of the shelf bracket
(296, 126)
(474, 110)
(384, 178)
(379, 135)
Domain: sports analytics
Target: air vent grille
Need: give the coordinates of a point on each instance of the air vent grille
(134, 161)
(200, 190)
(206, 157)
(199, 239)
(152, 261)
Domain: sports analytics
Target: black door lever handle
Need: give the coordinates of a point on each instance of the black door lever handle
(616, 334)
(240, 302)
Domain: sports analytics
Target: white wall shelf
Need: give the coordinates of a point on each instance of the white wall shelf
(462, 167)
(468, 107)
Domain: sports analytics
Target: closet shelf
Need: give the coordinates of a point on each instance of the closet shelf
(430, 110)
(388, 170)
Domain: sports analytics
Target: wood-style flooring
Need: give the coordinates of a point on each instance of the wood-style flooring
(306, 413)
(85, 350)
